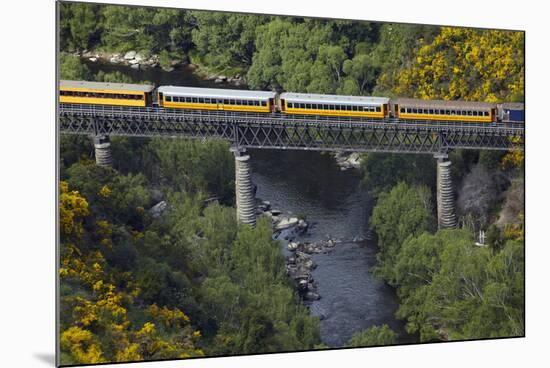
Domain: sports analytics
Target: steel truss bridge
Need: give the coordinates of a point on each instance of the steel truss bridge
(280, 131)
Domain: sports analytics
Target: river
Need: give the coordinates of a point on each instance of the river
(311, 184)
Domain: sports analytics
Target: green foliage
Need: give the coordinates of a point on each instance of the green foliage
(114, 77)
(71, 68)
(165, 59)
(401, 213)
(382, 171)
(121, 28)
(373, 336)
(451, 289)
(79, 25)
(192, 166)
(223, 40)
(311, 56)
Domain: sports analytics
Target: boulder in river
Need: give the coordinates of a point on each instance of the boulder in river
(130, 55)
(292, 246)
(286, 223)
(311, 295)
(139, 57)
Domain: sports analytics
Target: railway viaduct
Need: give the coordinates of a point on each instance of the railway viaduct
(277, 131)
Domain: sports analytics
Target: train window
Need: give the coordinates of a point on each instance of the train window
(332, 107)
(168, 98)
(354, 108)
(469, 113)
(314, 106)
(337, 107)
(264, 103)
(475, 113)
(308, 106)
(200, 100)
(207, 100)
(486, 113)
(402, 110)
(415, 111)
(378, 109)
(431, 111)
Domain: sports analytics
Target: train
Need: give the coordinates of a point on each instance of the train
(371, 107)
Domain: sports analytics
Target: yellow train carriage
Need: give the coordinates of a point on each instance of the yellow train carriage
(414, 109)
(334, 105)
(99, 93)
(216, 99)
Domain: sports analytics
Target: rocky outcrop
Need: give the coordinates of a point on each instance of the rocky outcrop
(348, 160)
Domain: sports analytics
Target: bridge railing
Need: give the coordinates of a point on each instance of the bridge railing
(104, 110)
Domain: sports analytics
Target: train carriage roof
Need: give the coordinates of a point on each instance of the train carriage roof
(215, 93)
(334, 99)
(513, 106)
(106, 86)
(438, 104)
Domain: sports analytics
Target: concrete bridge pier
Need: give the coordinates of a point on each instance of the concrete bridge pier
(102, 145)
(446, 215)
(244, 188)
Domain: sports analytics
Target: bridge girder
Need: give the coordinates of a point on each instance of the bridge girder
(275, 131)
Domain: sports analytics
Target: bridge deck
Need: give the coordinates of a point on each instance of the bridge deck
(280, 131)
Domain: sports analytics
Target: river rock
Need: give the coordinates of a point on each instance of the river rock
(139, 57)
(286, 223)
(168, 68)
(114, 60)
(134, 66)
(133, 62)
(93, 59)
(311, 295)
(130, 55)
(218, 80)
(292, 246)
(303, 285)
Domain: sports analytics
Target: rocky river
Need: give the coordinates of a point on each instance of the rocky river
(331, 259)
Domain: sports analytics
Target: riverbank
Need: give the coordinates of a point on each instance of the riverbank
(143, 61)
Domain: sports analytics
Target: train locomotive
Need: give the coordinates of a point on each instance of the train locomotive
(195, 98)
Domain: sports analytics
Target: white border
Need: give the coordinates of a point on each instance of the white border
(27, 183)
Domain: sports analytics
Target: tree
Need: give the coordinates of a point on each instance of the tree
(382, 171)
(467, 64)
(403, 212)
(79, 25)
(224, 40)
(71, 68)
(373, 336)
